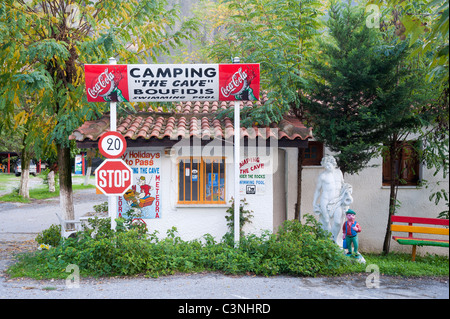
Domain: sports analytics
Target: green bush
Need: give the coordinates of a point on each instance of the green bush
(303, 250)
(131, 221)
(297, 249)
(101, 208)
(245, 217)
(50, 236)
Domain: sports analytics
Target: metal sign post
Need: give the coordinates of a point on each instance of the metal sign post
(237, 156)
(112, 200)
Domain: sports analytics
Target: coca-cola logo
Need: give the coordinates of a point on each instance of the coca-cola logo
(102, 85)
(236, 83)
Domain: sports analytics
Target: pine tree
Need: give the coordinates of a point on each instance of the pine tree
(367, 96)
(355, 78)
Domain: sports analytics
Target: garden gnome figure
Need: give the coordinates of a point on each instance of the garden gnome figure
(335, 197)
(350, 232)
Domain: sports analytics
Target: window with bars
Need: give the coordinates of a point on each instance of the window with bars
(201, 180)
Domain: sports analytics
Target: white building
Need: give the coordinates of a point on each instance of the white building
(186, 160)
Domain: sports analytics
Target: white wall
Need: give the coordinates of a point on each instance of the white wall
(193, 221)
(371, 202)
(261, 203)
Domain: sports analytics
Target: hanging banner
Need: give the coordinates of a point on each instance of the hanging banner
(143, 198)
(78, 164)
(172, 82)
(252, 174)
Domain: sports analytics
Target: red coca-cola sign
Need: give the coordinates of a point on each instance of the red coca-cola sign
(106, 83)
(238, 82)
(172, 82)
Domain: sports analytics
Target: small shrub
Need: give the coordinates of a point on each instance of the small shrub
(97, 227)
(245, 217)
(131, 221)
(308, 249)
(297, 249)
(101, 208)
(50, 236)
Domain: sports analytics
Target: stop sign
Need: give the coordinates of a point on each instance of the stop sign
(113, 177)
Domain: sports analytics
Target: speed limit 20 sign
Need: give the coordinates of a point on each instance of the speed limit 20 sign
(112, 145)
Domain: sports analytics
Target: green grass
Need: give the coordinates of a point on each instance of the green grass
(400, 264)
(5, 180)
(40, 192)
(14, 197)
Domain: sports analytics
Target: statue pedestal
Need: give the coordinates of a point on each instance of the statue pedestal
(358, 258)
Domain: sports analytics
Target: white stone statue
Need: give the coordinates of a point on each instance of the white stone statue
(335, 197)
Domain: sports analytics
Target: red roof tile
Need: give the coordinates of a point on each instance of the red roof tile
(189, 119)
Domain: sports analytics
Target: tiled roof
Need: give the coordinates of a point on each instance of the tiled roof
(188, 119)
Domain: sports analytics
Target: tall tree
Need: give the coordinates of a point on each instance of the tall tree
(368, 96)
(279, 35)
(426, 21)
(20, 119)
(344, 100)
(44, 44)
(424, 25)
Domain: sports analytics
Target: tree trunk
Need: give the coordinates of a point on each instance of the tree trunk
(300, 156)
(51, 181)
(24, 191)
(392, 196)
(65, 182)
(89, 156)
(392, 202)
(88, 175)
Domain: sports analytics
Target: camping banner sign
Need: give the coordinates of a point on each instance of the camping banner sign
(172, 82)
(144, 197)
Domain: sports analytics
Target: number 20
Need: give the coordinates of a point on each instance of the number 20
(113, 144)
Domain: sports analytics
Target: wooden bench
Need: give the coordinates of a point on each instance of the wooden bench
(412, 229)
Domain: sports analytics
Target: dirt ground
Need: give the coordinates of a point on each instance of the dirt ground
(8, 249)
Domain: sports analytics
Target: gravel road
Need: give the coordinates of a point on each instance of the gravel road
(219, 286)
(19, 224)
